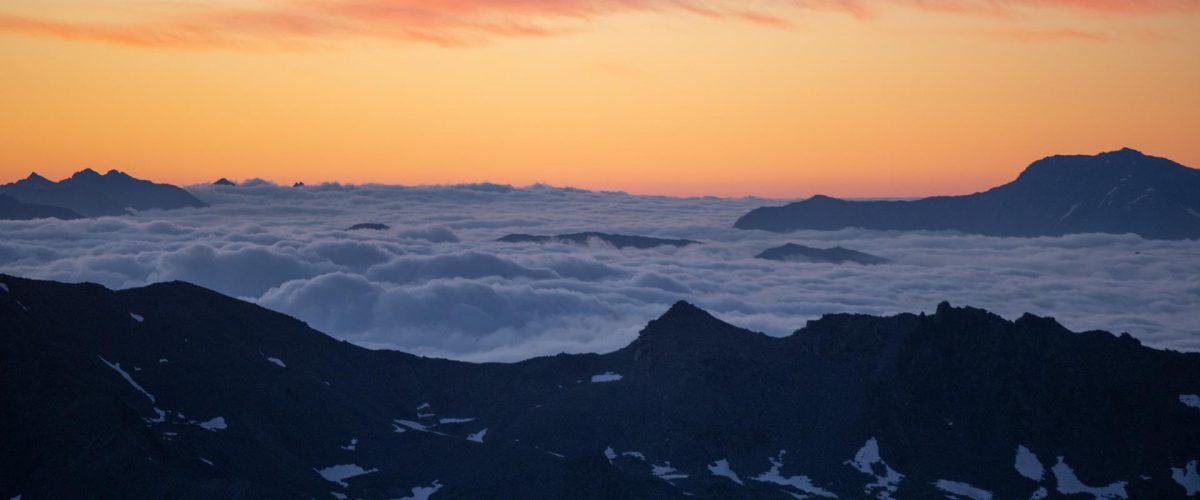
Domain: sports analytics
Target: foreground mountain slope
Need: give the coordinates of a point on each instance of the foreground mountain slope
(1116, 192)
(92, 194)
(176, 391)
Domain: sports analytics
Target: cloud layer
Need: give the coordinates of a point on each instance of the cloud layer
(301, 23)
(438, 284)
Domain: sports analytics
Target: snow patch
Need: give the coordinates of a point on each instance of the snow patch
(125, 375)
(1069, 483)
(137, 317)
(452, 420)
(423, 492)
(1188, 477)
(1069, 212)
(340, 473)
(162, 360)
(1028, 465)
(277, 361)
(1192, 400)
(477, 437)
(962, 490)
(417, 426)
(666, 472)
(339, 496)
(865, 461)
(802, 483)
(1040, 494)
(606, 377)
(215, 424)
(206, 461)
(422, 407)
(721, 468)
(610, 454)
(352, 446)
(4, 287)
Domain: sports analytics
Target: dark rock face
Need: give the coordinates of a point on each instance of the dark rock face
(619, 241)
(373, 226)
(174, 391)
(1117, 192)
(792, 252)
(91, 194)
(224, 182)
(11, 209)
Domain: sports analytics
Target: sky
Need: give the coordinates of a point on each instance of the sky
(437, 283)
(773, 98)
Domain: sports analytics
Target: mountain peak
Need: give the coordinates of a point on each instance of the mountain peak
(117, 174)
(86, 173)
(682, 319)
(35, 178)
(224, 182)
(685, 327)
(1129, 152)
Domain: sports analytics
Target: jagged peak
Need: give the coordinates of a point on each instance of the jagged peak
(682, 312)
(1123, 152)
(37, 178)
(86, 173)
(117, 174)
(684, 320)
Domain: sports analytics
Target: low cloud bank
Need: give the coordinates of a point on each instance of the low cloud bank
(437, 283)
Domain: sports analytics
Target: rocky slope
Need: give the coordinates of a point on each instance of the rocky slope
(174, 391)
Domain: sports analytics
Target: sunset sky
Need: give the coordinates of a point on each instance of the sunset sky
(780, 98)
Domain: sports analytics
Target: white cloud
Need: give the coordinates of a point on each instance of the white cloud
(437, 282)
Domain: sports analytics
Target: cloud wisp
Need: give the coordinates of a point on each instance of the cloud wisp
(437, 283)
(292, 24)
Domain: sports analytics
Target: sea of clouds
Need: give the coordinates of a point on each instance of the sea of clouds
(438, 284)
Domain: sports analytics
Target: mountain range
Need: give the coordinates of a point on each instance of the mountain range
(1116, 192)
(175, 391)
(88, 193)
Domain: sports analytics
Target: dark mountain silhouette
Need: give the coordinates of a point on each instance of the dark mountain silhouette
(224, 182)
(374, 226)
(11, 209)
(297, 184)
(91, 194)
(1117, 192)
(174, 391)
(792, 252)
(616, 240)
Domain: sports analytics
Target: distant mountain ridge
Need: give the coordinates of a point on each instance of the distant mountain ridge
(91, 194)
(791, 252)
(619, 241)
(174, 391)
(1122, 191)
(11, 209)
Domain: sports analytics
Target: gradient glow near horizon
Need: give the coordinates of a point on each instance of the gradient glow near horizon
(781, 98)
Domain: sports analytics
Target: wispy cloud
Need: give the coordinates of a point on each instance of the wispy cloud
(305, 23)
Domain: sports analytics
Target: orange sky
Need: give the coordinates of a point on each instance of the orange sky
(778, 98)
